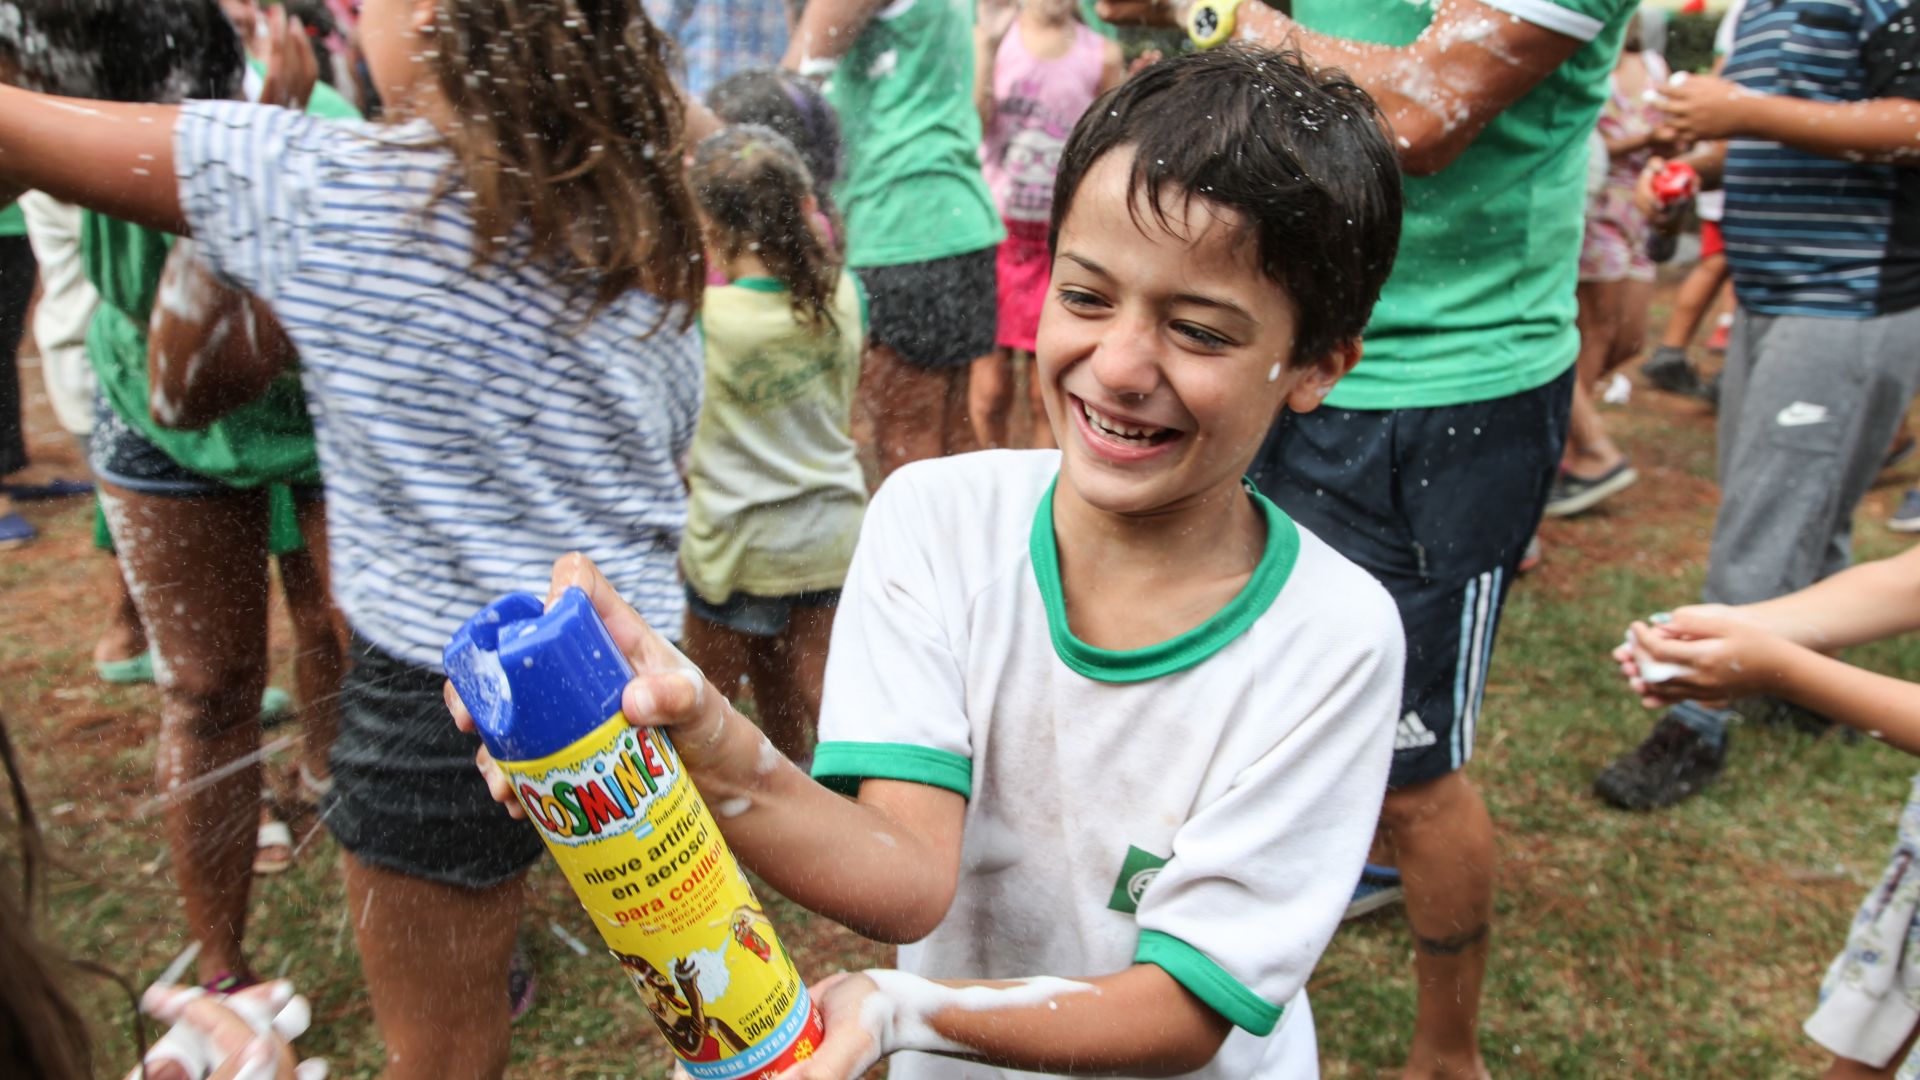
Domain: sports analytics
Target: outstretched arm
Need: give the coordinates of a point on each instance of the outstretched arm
(106, 156)
(1884, 129)
(825, 32)
(1471, 63)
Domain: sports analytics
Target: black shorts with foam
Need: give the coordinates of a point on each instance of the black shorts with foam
(1438, 504)
(406, 795)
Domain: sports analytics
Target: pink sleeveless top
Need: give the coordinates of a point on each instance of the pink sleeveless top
(1036, 104)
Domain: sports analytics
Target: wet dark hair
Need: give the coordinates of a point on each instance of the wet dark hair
(789, 104)
(570, 133)
(754, 186)
(1300, 153)
(143, 51)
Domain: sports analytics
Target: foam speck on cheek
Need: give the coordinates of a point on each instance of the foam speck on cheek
(1273, 373)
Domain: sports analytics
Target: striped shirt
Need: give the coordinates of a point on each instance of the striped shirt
(716, 39)
(470, 429)
(1814, 235)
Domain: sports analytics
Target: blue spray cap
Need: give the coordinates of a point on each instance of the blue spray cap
(536, 679)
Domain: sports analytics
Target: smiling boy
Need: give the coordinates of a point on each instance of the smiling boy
(1118, 730)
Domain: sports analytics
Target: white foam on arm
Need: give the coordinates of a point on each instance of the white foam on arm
(900, 1015)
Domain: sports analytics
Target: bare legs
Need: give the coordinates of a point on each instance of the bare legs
(1612, 322)
(1442, 840)
(197, 571)
(435, 958)
(917, 412)
(990, 392)
(124, 638)
(319, 646)
(786, 672)
(1696, 294)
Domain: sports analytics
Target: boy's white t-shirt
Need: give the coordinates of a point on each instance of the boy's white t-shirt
(1204, 805)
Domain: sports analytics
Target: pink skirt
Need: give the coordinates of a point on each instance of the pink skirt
(1022, 271)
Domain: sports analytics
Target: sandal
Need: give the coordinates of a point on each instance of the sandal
(16, 531)
(132, 670)
(275, 845)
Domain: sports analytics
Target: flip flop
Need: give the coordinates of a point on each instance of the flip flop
(16, 531)
(275, 846)
(54, 489)
(132, 670)
(276, 708)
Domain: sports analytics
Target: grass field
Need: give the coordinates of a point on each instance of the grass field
(1687, 943)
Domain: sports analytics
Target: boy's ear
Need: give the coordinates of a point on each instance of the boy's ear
(1319, 376)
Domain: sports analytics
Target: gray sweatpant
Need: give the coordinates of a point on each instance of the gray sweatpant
(1807, 408)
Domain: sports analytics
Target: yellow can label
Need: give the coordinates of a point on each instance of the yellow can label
(646, 859)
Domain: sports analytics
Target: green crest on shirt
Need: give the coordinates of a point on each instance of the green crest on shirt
(1136, 873)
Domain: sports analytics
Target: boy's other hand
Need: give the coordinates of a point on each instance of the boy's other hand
(1143, 12)
(1702, 107)
(852, 1045)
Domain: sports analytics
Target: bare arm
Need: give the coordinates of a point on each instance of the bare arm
(1727, 656)
(113, 158)
(1113, 66)
(1439, 92)
(211, 348)
(826, 31)
(893, 854)
(1884, 129)
(1139, 1022)
(1863, 603)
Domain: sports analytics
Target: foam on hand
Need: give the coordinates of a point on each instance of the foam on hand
(1654, 671)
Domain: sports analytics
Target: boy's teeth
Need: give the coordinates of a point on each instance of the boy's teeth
(1124, 431)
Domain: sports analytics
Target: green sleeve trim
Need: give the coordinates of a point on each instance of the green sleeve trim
(1209, 981)
(1176, 653)
(842, 765)
(866, 314)
(760, 284)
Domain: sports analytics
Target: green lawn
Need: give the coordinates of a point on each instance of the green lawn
(1678, 944)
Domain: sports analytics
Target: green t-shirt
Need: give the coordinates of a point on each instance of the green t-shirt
(268, 440)
(12, 221)
(912, 191)
(1480, 304)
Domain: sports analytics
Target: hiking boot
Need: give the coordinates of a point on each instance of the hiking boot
(1668, 369)
(1675, 763)
(1577, 494)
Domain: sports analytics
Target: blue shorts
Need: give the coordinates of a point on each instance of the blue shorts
(759, 616)
(1438, 504)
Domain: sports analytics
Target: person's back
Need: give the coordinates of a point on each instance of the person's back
(1037, 100)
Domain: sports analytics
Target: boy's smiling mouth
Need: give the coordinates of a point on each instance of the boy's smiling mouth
(1119, 437)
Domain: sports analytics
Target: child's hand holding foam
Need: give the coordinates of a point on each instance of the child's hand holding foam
(242, 1036)
(1706, 653)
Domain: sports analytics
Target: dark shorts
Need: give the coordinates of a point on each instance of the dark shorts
(406, 795)
(1438, 504)
(937, 314)
(760, 616)
(123, 457)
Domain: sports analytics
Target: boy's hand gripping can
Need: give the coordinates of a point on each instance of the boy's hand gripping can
(633, 837)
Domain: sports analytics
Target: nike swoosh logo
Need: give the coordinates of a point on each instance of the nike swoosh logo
(1801, 414)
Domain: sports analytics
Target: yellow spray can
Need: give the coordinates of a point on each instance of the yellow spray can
(633, 836)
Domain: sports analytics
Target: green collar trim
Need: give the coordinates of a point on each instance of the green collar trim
(760, 284)
(1178, 653)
